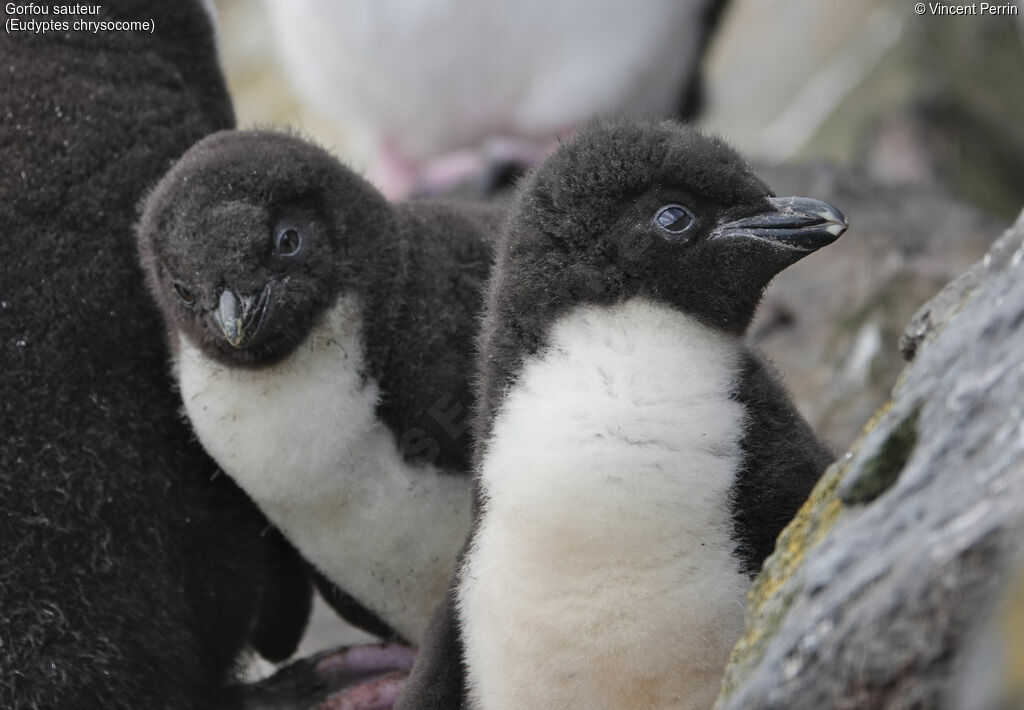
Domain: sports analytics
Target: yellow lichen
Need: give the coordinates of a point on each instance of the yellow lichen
(771, 594)
(1012, 625)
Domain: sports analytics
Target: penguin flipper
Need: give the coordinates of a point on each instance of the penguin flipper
(437, 681)
(784, 458)
(286, 605)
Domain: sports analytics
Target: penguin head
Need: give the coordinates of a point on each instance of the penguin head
(657, 210)
(250, 237)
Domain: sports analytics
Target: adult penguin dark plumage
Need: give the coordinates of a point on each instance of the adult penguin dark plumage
(635, 461)
(322, 341)
(133, 574)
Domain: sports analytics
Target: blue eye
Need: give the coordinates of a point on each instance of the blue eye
(289, 241)
(675, 219)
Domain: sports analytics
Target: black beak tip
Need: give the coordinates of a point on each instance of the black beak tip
(799, 223)
(807, 208)
(834, 222)
(838, 217)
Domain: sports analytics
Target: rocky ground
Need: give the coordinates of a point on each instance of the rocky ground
(882, 593)
(832, 322)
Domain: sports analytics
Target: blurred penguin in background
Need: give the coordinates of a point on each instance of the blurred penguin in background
(456, 92)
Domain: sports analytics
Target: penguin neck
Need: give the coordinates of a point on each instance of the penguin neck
(387, 251)
(606, 484)
(421, 318)
(636, 376)
(303, 440)
(517, 325)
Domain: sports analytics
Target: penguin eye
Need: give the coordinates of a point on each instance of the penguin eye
(288, 242)
(674, 219)
(184, 295)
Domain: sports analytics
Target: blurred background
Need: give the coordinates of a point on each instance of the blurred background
(912, 124)
(909, 98)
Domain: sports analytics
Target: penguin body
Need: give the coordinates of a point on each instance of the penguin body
(336, 483)
(134, 574)
(607, 533)
(624, 495)
(341, 408)
(415, 81)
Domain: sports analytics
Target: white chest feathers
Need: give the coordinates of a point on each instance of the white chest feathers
(303, 440)
(602, 574)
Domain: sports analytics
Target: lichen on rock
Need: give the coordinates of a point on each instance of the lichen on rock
(873, 592)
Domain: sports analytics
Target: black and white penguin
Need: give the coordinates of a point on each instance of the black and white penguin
(438, 90)
(322, 340)
(132, 573)
(635, 461)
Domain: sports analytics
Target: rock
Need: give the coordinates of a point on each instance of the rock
(992, 674)
(873, 594)
(832, 321)
(939, 310)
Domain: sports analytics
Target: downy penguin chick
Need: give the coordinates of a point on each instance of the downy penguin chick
(635, 461)
(322, 341)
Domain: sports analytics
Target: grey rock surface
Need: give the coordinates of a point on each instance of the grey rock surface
(876, 588)
(933, 315)
(832, 321)
(991, 674)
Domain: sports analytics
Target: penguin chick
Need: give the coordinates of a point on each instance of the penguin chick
(321, 342)
(635, 460)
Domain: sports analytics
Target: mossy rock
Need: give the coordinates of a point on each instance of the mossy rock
(877, 587)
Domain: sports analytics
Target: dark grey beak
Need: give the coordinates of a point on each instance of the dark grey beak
(240, 318)
(795, 223)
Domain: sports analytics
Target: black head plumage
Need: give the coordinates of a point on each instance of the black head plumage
(659, 210)
(632, 209)
(249, 238)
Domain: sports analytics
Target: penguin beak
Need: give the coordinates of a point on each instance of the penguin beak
(798, 224)
(240, 317)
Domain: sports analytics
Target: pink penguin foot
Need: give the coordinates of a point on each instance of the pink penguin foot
(378, 694)
(368, 677)
(471, 172)
(360, 663)
(483, 171)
